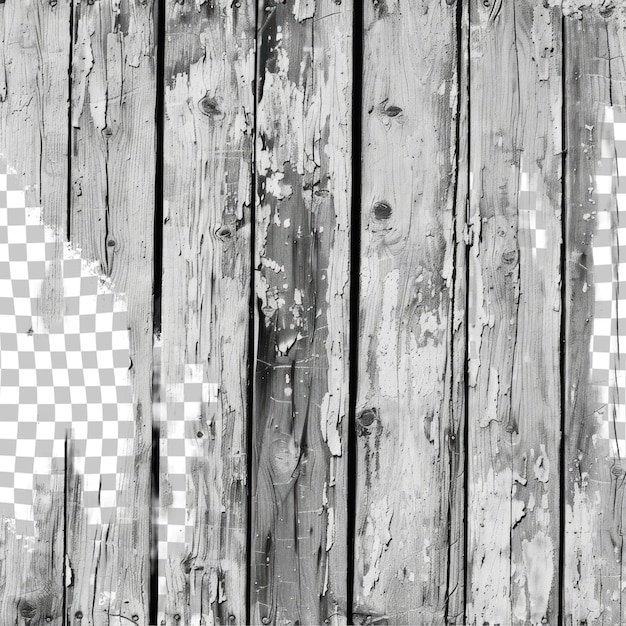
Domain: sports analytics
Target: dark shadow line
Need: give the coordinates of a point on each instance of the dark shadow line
(68, 219)
(466, 412)
(358, 24)
(251, 321)
(66, 487)
(68, 208)
(158, 185)
(156, 302)
(459, 212)
(563, 325)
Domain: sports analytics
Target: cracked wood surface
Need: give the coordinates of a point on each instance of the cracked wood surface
(207, 196)
(409, 413)
(460, 205)
(302, 253)
(514, 313)
(113, 158)
(34, 107)
(594, 477)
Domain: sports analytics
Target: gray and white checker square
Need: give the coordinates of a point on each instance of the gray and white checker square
(71, 381)
(532, 216)
(177, 409)
(608, 340)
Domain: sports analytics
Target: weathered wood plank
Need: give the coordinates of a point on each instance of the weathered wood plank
(207, 186)
(303, 170)
(34, 106)
(409, 544)
(514, 313)
(113, 159)
(594, 363)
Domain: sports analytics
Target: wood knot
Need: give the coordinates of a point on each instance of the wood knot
(382, 210)
(224, 233)
(78, 615)
(284, 458)
(511, 427)
(509, 257)
(607, 11)
(209, 106)
(391, 111)
(366, 419)
(27, 610)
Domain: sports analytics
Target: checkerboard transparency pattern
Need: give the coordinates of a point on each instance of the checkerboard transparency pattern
(531, 241)
(69, 381)
(177, 408)
(532, 216)
(608, 342)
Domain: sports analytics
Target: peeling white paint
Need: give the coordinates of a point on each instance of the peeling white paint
(542, 466)
(493, 393)
(303, 9)
(538, 556)
(376, 538)
(386, 350)
(490, 548)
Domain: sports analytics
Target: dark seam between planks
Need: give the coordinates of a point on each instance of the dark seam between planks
(153, 593)
(68, 208)
(466, 332)
(460, 47)
(563, 322)
(251, 324)
(66, 474)
(355, 259)
(158, 188)
(68, 216)
(156, 302)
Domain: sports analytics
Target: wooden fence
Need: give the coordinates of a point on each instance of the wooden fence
(383, 240)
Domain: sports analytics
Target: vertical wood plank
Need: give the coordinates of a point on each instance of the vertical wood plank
(303, 197)
(113, 158)
(34, 106)
(595, 369)
(207, 186)
(410, 402)
(514, 312)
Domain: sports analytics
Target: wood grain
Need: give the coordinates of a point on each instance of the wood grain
(207, 152)
(113, 159)
(410, 396)
(514, 313)
(303, 175)
(594, 476)
(34, 104)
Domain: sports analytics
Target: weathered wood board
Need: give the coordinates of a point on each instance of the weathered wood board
(409, 542)
(514, 409)
(302, 263)
(112, 177)
(595, 43)
(34, 108)
(425, 482)
(208, 124)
